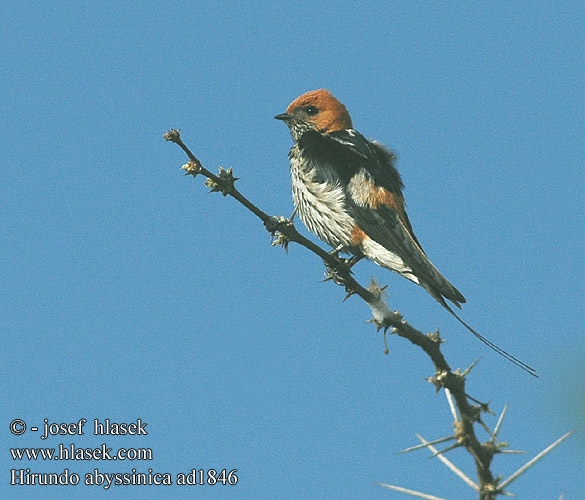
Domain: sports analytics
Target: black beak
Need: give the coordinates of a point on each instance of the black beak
(283, 117)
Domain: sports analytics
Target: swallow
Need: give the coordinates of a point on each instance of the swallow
(348, 192)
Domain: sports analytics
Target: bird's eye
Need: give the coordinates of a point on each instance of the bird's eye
(312, 110)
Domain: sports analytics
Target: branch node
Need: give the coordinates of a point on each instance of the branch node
(173, 135)
(376, 290)
(461, 435)
(438, 380)
(280, 239)
(275, 225)
(192, 168)
(435, 337)
(224, 183)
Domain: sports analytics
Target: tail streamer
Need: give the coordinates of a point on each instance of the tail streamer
(520, 364)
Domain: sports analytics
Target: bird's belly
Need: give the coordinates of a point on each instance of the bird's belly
(322, 207)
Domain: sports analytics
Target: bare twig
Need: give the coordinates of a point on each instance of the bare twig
(383, 318)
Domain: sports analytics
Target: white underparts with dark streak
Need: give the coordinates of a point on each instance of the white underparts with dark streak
(320, 205)
(320, 198)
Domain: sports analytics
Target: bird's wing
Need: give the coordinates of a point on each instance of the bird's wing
(386, 226)
(374, 195)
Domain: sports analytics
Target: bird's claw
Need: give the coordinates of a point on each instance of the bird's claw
(338, 274)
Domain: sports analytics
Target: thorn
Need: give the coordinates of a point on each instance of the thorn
(530, 463)
(466, 372)
(500, 420)
(430, 443)
(451, 404)
(450, 465)
(488, 430)
(484, 406)
(449, 448)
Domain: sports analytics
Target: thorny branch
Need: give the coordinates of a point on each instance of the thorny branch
(469, 409)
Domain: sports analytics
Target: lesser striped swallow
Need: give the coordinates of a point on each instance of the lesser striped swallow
(348, 192)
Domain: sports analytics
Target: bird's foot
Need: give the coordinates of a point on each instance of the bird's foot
(345, 264)
(337, 274)
(352, 261)
(335, 251)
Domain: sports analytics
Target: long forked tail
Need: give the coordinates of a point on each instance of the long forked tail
(499, 350)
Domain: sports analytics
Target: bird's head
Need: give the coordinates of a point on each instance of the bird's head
(316, 110)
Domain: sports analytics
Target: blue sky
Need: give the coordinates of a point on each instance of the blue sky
(128, 292)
